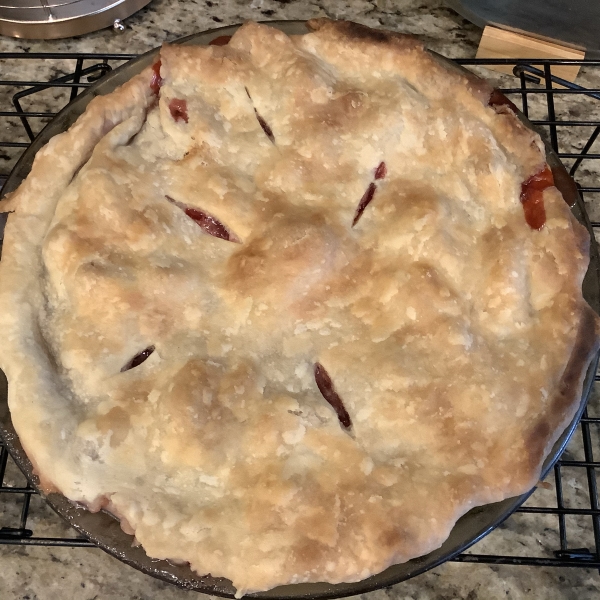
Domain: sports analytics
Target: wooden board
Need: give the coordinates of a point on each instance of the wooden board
(499, 43)
(571, 23)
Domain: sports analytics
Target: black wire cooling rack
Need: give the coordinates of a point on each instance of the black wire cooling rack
(560, 524)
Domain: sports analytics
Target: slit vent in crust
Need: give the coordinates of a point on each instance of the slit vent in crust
(265, 126)
(206, 222)
(178, 110)
(327, 389)
(138, 359)
(380, 173)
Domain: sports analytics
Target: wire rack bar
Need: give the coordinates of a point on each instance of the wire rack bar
(66, 56)
(528, 561)
(567, 123)
(41, 541)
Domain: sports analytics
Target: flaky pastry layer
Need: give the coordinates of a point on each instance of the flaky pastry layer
(184, 267)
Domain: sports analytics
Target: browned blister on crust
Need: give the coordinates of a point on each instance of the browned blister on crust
(386, 343)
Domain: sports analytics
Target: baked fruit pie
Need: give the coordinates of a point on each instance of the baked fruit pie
(288, 307)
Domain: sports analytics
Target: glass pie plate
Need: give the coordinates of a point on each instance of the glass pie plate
(104, 530)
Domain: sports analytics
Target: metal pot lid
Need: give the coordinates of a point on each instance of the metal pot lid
(51, 19)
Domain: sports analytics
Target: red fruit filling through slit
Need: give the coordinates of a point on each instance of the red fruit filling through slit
(532, 190)
(498, 100)
(364, 201)
(532, 197)
(380, 173)
(178, 109)
(265, 126)
(268, 131)
(222, 40)
(326, 388)
(206, 222)
(138, 359)
(156, 81)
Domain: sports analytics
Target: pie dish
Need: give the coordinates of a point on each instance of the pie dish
(254, 308)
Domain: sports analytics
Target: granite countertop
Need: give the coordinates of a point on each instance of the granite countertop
(52, 573)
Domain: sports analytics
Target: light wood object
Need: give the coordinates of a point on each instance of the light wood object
(498, 43)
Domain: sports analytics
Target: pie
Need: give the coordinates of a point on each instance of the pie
(288, 307)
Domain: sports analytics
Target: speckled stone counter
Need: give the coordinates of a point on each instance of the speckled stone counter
(41, 573)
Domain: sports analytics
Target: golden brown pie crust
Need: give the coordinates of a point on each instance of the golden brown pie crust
(367, 227)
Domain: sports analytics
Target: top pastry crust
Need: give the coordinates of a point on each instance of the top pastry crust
(285, 316)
